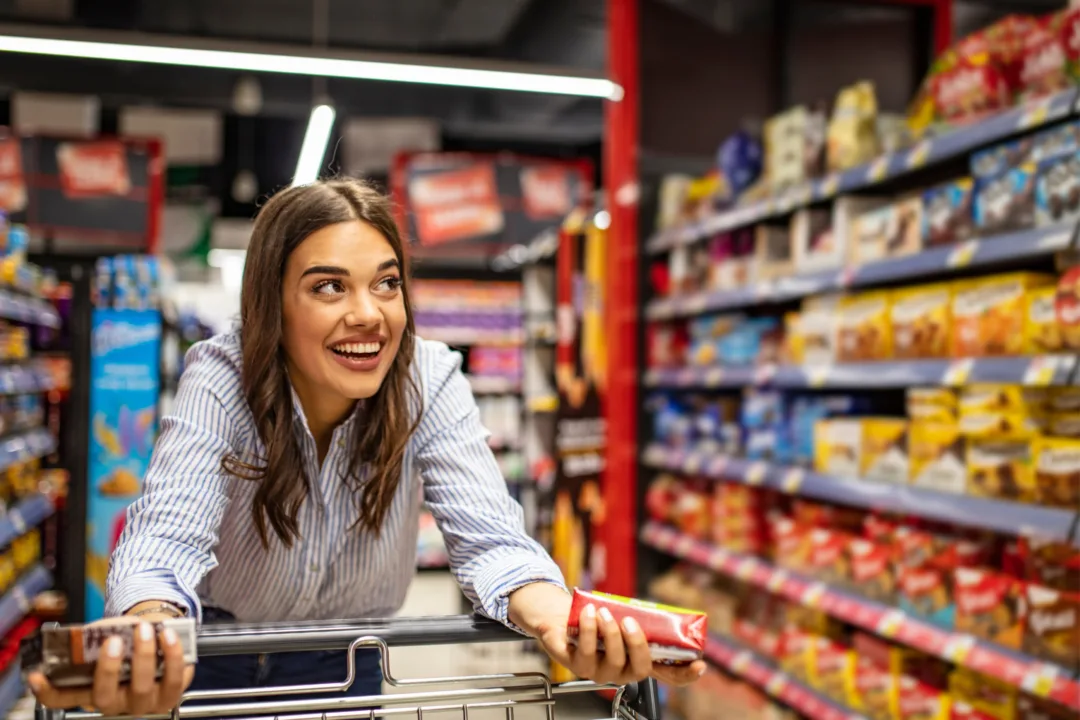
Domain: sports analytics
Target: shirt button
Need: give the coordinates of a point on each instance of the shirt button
(341, 443)
(314, 567)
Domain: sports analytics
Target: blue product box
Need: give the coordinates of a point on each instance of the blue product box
(1058, 141)
(947, 216)
(999, 159)
(762, 408)
(742, 346)
(1057, 190)
(1006, 202)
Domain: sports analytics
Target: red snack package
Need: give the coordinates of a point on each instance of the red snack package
(676, 635)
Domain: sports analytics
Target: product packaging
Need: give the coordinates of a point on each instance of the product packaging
(1001, 469)
(827, 559)
(1048, 64)
(1057, 472)
(816, 245)
(872, 684)
(1006, 202)
(1030, 707)
(1057, 190)
(1051, 563)
(838, 447)
(891, 231)
(998, 160)
(1042, 334)
(885, 450)
(818, 330)
(948, 213)
(1052, 627)
(872, 569)
(921, 686)
(988, 605)
(773, 252)
(990, 314)
(831, 664)
(852, 134)
(922, 321)
(675, 635)
(980, 697)
(865, 327)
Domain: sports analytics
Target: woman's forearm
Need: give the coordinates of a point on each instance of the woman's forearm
(538, 607)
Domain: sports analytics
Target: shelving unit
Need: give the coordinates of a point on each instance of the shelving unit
(881, 381)
(11, 689)
(15, 604)
(1035, 676)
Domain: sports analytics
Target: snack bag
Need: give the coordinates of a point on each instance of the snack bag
(987, 605)
(865, 327)
(990, 314)
(922, 321)
(1052, 629)
(676, 635)
(1057, 472)
(1042, 334)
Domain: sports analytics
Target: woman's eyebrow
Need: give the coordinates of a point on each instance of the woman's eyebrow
(387, 264)
(325, 270)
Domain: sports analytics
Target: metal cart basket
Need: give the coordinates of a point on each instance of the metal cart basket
(504, 692)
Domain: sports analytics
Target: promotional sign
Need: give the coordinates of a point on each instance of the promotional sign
(12, 181)
(125, 349)
(546, 191)
(456, 204)
(92, 169)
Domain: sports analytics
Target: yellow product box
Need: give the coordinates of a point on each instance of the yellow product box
(932, 404)
(838, 447)
(1063, 399)
(991, 697)
(990, 398)
(885, 450)
(865, 327)
(1000, 425)
(831, 665)
(989, 315)
(1042, 334)
(1001, 469)
(937, 460)
(922, 321)
(818, 328)
(794, 348)
(1063, 424)
(1057, 472)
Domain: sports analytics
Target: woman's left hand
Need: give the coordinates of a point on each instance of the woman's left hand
(542, 610)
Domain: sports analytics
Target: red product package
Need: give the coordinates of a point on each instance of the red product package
(675, 635)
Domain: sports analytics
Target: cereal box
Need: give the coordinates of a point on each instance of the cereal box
(922, 321)
(819, 330)
(1001, 469)
(888, 232)
(988, 605)
(1006, 202)
(1057, 472)
(947, 213)
(865, 327)
(885, 450)
(838, 447)
(990, 314)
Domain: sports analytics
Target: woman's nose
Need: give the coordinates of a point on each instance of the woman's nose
(364, 311)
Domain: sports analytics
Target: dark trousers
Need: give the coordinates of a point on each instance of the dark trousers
(229, 672)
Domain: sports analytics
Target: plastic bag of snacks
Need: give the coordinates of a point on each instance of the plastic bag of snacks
(675, 635)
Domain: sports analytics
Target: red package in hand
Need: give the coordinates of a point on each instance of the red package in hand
(675, 635)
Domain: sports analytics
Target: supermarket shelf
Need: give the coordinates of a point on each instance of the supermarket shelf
(996, 250)
(1035, 676)
(1037, 370)
(29, 310)
(760, 671)
(11, 689)
(26, 446)
(466, 336)
(15, 604)
(28, 513)
(986, 513)
(24, 380)
(885, 168)
(543, 404)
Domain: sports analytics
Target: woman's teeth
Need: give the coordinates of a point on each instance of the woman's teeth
(370, 348)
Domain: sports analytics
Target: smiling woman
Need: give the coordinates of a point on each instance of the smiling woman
(285, 486)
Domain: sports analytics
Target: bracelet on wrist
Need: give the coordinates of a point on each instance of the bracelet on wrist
(161, 608)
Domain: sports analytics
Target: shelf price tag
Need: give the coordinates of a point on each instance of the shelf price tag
(717, 466)
(962, 254)
(764, 374)
(755, 474)
(684, 545)
(718, 559)
(741, 661)
(655, 455)
(958, 648)
(776, 685)
(813, 595)
(19, 595)
(830, 185)
(695, 304)
(793, 480)
(1040, 680)
(1041, 371)
(889, 624)
(776, 581)
(878, 169)
(817, 375)
(17, 522)
(1036, 114)
(919, 154)
(745, 569)
(958, 372)
(692, 464)
(714, 377)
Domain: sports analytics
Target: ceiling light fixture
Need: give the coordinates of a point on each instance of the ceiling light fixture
(312, 151)
(330, 67)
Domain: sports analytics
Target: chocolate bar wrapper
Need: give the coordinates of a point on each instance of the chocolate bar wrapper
(675, 635)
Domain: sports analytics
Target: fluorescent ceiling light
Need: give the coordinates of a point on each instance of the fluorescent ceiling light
(314, 148)
(314, 66)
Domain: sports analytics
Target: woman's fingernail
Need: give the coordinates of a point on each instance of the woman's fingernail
(170, 637)
(36, 683)
(606, 615)
(114, 646)
(146, 632)
(631, 626)
(702, 671)
(589, 611)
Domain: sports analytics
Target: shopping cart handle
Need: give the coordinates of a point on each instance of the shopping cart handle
(242, 638)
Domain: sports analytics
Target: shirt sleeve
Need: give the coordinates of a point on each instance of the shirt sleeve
(491, 555)
(170, 532)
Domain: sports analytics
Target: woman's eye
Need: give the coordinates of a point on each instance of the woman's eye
(390, 283)
(328, 287)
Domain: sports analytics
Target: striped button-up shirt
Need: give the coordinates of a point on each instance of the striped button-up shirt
(190, 538)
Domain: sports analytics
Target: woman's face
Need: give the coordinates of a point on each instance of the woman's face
(344, 314)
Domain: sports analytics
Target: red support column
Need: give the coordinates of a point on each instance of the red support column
(619, 533)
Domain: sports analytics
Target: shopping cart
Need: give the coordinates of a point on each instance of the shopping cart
(455, 696)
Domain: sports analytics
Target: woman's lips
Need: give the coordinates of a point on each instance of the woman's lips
(358, 362)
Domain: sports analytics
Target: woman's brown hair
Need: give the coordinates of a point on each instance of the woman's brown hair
(389, 418)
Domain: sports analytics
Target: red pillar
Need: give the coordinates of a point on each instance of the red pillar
(621, 195)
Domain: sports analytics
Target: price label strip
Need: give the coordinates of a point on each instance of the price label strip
(741, 662)
(818, 375)
(745, 569)
(878, 169)
(776, 581)
(17, 522)
(958, 648)
(1036, 114)
(755, 474)
(962, 255)
(714, 377)
(776, 685)
(813, 595)
(1040, 680)
(792, 481)
(919, 154)
(19, 595)
(1041, 371)
(717, 466)
(693, 463)
(889, 624)
(958, 372)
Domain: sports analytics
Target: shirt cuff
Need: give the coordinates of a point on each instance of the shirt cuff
(146, 586)
(498, 580)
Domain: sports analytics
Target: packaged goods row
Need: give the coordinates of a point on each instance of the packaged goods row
(1011, 314)
(859, 671)
(1021, 60)
(995, 441)
(1021, 594)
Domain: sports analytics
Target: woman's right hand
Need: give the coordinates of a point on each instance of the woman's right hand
(144, 694)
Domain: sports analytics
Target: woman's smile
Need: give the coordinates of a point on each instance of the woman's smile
(358, 355)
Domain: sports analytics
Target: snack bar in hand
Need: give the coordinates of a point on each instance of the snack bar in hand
(675, 635)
